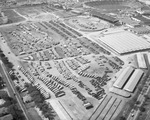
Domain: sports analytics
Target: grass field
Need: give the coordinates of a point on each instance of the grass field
(34, 114)
(36, 10)
(27, 11)
(13, 17)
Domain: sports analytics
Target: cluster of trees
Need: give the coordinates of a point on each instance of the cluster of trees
(147, 100)
(39, 100)
(122, 118)
(5, 60)
(13, 77)
(2, 83)
(12, 107)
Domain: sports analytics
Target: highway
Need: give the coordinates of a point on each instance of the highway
(12, 90)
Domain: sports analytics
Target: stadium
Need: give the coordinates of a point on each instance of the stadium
(109, 4)
(87, 24)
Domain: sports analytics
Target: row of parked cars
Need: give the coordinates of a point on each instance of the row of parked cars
(70, 29)
(118, 60)
(31, 43)
(30, 78)
(54, 86)
(61, 67)
(80, 83)
(82, 60)
(73, 64)
(47, 25)
(84, 74)
(114, 65)
(103, 59)
(64, 30)
(93, 47)
(45, 94)
(98, 88)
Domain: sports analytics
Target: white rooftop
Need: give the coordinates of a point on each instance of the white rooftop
(125, 41)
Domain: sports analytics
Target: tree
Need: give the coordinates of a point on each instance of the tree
(16, 113)
(131, 103)
(34, 93)
(44, 107)
(146, 97)
(13, 77)
(142, 109)
(140, 87)
(137, 102)
(10, 99)
(31, 89)
(27, 85)
(10, 65)
(38, 99)
(2, 55)
(39, 105)
(18, 88)
(122, 118)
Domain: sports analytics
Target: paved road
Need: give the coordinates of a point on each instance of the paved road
(141, 98)
(12, 90)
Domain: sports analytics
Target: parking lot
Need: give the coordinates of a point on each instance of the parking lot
(62, 63)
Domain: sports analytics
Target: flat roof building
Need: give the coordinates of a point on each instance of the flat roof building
(124, 42)
(103, 16)
(123, 77)
(133, 81)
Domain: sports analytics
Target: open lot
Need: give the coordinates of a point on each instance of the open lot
(34, 114)
(30, 12)
(13, 17)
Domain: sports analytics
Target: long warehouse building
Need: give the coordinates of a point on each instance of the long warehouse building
(141, 60)
(133, 81)
(123, 77)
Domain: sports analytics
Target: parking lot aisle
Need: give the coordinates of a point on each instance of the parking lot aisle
(101, 107)
(12, 88)
(113, 109)
(81, 110)
(72, 106)
(107, 108)
(59, 110)
(97, 108)
(70, 112)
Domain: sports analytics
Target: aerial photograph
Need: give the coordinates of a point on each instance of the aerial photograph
(74, 59)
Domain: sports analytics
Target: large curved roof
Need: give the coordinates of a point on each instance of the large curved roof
(113, 4)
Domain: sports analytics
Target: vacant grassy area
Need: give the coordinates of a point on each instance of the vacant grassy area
(34, 114)
(27, 11)
(13, 17)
